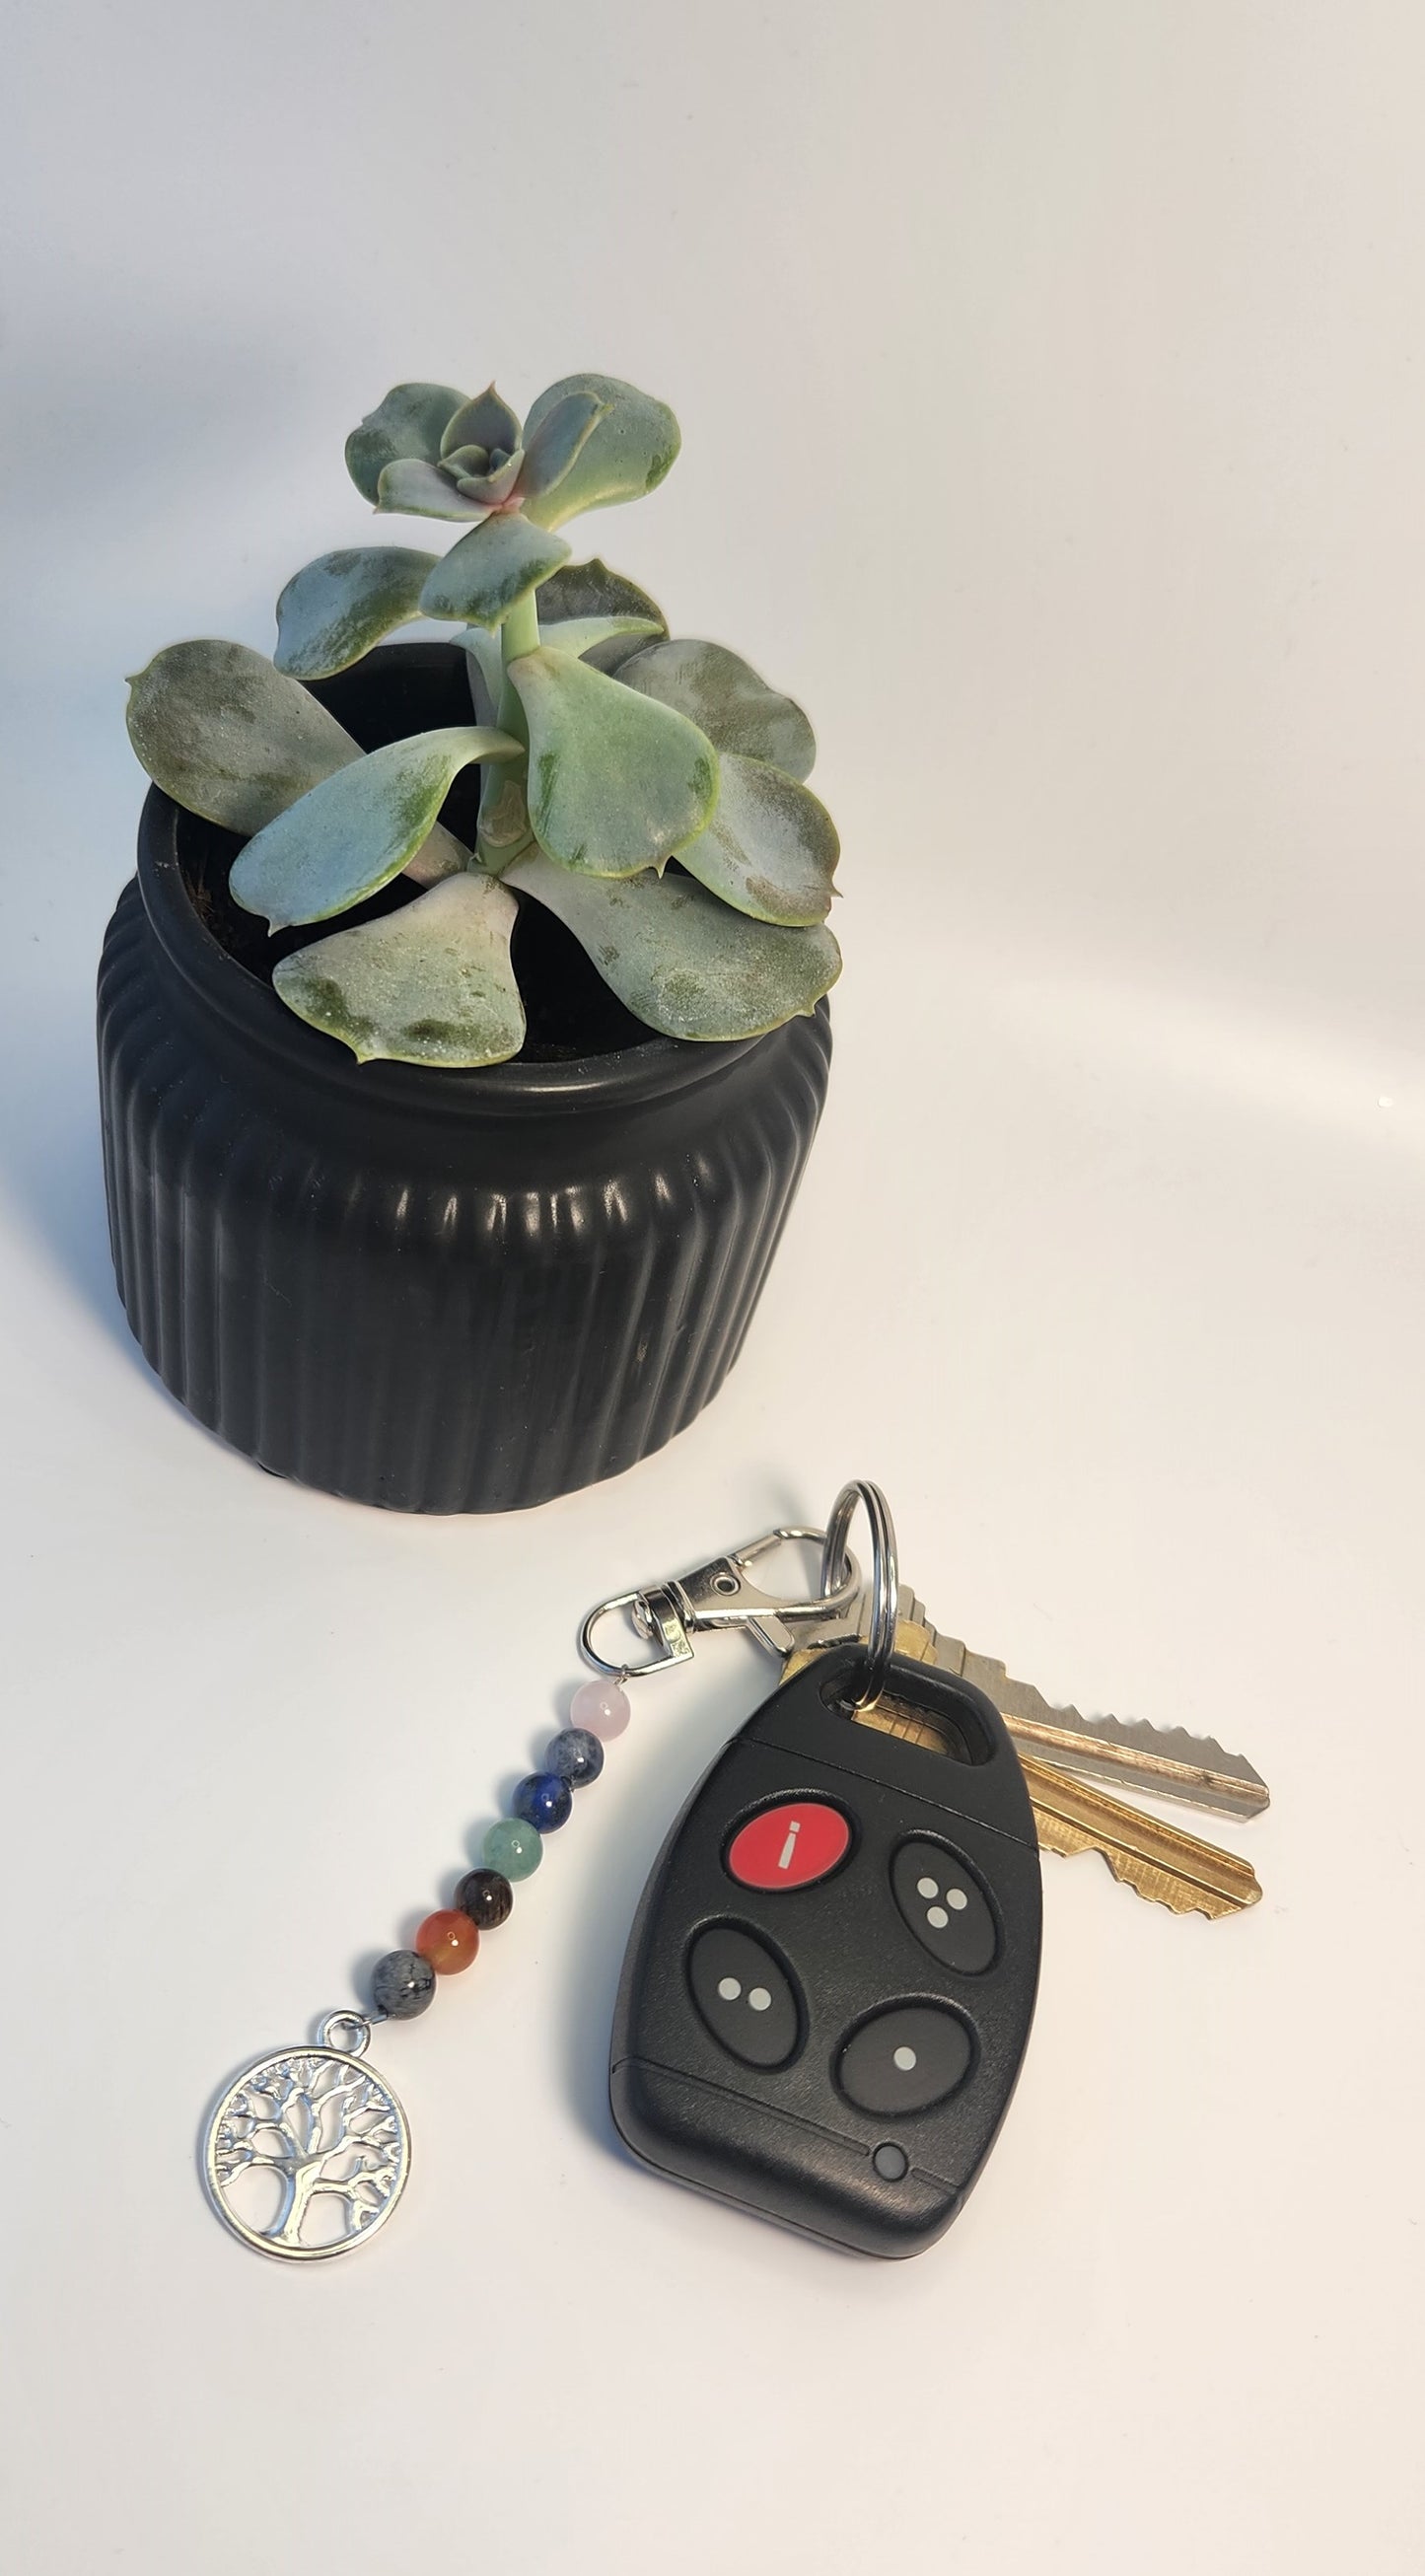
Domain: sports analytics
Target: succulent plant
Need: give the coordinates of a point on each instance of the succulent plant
(647, 790)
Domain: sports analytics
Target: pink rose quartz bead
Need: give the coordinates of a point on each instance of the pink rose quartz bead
(602, 1707)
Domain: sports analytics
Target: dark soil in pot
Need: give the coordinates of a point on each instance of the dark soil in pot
(433, 1291)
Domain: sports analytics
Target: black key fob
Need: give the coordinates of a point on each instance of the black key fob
(830, 1980)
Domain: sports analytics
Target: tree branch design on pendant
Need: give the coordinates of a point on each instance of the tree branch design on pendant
(307, 2153)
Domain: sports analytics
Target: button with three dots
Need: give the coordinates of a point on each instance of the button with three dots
(945, 1906)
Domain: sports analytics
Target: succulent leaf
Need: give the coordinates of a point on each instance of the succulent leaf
(771, 847)
(423, 491)
(430, 984)
(358, 829)
(410, 422)
(581, 635)
(474, 475)
(607, 795)
(486, 573)
(485, 669)
(591, 590)
(338, 606)
(555, 443)
(229, 737)
(683, 962)
(504, 827)
(727, 698)
(628, 451)
(486, 422)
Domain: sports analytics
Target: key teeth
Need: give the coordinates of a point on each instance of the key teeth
(1196, 1752)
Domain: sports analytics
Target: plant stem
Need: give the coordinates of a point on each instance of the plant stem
(505, 833)
(519, 634)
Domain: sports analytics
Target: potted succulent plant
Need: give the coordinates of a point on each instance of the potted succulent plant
(467, 1201)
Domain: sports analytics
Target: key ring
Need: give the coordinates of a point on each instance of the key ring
(885, 1578)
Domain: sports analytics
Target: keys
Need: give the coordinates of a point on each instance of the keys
(1057, 1747)
(1156, 1860)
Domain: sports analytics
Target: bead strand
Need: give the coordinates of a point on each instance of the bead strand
(403, 1983)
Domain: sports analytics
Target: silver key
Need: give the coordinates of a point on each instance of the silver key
(1164, 1762)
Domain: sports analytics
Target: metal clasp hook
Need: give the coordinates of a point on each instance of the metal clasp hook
(718, 1595)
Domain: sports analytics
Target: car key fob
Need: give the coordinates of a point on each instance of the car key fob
(830, 1980)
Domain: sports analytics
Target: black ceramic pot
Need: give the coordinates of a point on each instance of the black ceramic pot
(440, 1292)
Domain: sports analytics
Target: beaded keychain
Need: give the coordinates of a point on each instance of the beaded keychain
(316, 2131)
(308, 2151)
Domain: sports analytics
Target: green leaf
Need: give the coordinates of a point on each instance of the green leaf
(726, 697)
(771, 847)
(478, 480)
(486, 422)
(485, 666)
(580, 635)
(607, 795)
(591, 590)
(229, 737)
(484, 576)
(627, 453)
(430, 984)
(504, 826)
(679, 959)
(560, 436)
(337, 607)
(421, 491)
(356, 831)
(410, 422)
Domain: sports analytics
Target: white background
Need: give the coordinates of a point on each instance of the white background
(1053, 391)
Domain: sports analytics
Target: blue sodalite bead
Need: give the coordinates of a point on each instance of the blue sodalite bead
(544, 1801)
(575, 1755)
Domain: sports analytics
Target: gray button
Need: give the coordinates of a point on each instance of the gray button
(905, 2059)
(891, 2163)
(744, 1995)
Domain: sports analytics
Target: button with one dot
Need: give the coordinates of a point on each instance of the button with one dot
(905, 2059)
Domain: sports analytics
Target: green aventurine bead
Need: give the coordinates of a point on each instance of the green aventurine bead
(513, 1848)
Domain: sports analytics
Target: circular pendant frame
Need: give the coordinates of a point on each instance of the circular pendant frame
(325, 2126)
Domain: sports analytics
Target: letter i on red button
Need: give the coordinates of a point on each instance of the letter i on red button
(789, 1846)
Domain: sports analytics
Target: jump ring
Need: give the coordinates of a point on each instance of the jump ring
(885, 1577)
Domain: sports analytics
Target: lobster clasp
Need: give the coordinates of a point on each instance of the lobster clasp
(718, 1595)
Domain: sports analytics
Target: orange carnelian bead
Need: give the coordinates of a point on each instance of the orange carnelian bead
(448, 1939)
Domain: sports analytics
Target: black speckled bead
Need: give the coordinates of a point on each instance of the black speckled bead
(402, 1984)
(486, 1897)
(576, 1756)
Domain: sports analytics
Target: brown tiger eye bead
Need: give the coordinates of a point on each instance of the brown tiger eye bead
(448, 1939)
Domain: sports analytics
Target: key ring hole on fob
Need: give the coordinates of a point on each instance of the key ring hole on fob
(885, 1579)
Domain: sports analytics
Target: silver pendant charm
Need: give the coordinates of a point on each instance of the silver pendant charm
(307, 2153)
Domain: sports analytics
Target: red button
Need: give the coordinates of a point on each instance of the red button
(789, 1846)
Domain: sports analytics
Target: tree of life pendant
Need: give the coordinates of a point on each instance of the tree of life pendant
(307, 2153)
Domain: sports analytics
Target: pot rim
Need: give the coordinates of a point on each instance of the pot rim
(218, 984)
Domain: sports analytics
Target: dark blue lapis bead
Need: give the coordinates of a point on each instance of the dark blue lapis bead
(544, 1801)
(576, 1756)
